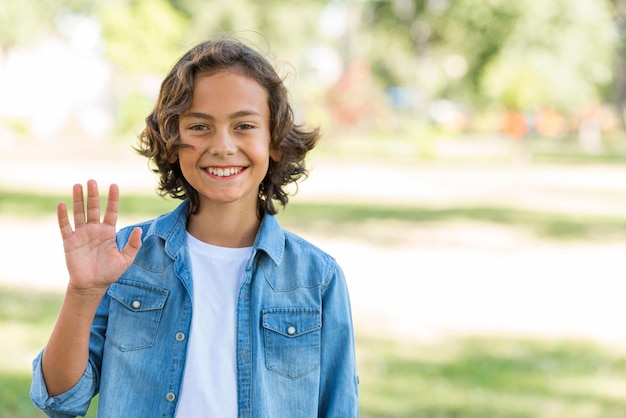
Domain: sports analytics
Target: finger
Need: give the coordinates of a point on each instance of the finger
(133, 245)
(78, 205)
(93, 202)
(111, 212)
(64, 222)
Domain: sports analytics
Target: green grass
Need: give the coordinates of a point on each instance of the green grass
(465, 377)
(421, 146)
(26, 320)
(573, 158)
(493, 377)
(348, 219)
(31, 204)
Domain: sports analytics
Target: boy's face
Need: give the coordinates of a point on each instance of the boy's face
(228, 129)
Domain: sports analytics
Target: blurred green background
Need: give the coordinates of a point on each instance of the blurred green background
(471, 180)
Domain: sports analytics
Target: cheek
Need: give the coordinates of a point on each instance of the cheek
(185, 159)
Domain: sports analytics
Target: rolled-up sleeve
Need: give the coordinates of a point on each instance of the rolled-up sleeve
(74, 402)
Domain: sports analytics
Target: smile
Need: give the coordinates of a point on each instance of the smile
(224, 172)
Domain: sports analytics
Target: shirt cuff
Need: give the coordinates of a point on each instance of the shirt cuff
(69, 404)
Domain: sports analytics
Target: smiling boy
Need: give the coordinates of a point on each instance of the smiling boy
(213, 309)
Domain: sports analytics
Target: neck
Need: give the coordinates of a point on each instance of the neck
(224, 228)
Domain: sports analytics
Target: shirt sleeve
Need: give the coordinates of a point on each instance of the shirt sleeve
(69, 404)
(339, 385)
(76, 401)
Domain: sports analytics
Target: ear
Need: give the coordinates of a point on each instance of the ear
(172, 158)
(275, 155)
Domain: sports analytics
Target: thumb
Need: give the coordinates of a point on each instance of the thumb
(133, 245)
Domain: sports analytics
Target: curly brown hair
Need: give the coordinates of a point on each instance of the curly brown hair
(160, 139)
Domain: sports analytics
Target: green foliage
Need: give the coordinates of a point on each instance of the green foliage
(469, 377)
(473, 30)
(498, 53)
(131, 113)
(559, 54)
(142, 36)
(284, 30)
(477, 31)
(23, 21)
(520, 54)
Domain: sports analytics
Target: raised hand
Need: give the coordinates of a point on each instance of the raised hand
(91, 253)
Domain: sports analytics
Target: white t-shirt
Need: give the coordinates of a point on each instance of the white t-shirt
(210, 380)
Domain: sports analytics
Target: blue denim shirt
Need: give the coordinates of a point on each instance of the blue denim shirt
(295, 345)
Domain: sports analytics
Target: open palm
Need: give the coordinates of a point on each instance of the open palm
(93, 259)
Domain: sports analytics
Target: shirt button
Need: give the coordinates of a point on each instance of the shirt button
(291, 330)
(180, 336)
(170, 397)
(136, 304)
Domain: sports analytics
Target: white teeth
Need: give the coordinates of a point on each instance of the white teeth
(223, 172)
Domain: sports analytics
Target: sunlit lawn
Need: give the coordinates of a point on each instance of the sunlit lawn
(331, 218)
(494, 377)
(472, 377)
(479, 376)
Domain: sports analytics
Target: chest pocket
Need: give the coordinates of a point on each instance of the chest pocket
(134, 314)
(292, 340)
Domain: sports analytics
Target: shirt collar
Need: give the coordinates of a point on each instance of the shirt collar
(270, 238)
(172, 226)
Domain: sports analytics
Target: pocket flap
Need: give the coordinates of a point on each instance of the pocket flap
(138, 297)
(292, 322)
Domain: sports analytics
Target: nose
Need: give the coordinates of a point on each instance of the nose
(222, 143)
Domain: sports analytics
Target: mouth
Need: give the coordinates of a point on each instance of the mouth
(224, 171)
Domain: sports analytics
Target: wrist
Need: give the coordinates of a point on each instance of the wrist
(86, 292)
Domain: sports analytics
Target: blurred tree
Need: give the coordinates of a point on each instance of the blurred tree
(142, 39)
(521, 54)
(618, 95)
(514, 53)
(287, 31)
(559, 54)
(443, 46)
(22, 21)
(285, 26)
(142, 36)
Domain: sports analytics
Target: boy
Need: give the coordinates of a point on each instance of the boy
(212, 309)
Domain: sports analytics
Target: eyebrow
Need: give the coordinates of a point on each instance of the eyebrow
(238, 114)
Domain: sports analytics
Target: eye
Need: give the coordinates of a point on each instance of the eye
(198, 128)
(244, 126)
